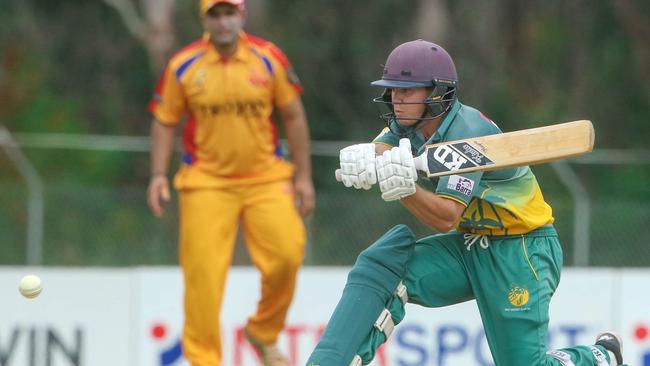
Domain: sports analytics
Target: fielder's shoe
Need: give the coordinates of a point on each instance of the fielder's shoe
(268, 353)
(611, 342)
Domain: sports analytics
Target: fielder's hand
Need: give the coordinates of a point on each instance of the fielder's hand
(303, 188)
(396, 172)
(158, 190)
(357, 166)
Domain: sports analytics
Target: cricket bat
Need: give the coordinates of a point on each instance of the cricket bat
(506, 150)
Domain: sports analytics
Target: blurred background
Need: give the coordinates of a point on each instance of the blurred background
(76, 76)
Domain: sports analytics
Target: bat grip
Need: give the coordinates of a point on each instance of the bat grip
(421, 163)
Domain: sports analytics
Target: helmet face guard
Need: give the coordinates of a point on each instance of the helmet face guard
(441, 98)
(419, 64)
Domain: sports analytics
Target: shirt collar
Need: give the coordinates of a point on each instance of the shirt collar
(241, 53)
(444, 125)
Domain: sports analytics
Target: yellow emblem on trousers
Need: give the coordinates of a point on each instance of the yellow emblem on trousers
(518, 296)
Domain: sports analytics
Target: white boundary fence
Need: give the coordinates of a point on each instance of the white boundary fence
(12, 146)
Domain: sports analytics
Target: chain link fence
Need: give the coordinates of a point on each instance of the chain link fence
(100, 217)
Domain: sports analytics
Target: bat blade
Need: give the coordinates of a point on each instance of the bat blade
(507, 150)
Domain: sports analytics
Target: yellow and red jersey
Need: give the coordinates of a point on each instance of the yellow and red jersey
(229, 136)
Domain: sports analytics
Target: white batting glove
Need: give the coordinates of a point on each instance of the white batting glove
(396, 172)
(358, 166)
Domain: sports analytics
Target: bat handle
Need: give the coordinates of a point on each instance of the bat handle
(421, 163)
(337, 174)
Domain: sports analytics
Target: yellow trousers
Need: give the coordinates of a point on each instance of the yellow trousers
(275, 239)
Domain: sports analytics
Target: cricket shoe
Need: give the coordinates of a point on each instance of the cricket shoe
(268, 353)
(611, 342)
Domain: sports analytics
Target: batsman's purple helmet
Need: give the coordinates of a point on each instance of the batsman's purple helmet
(419, 64)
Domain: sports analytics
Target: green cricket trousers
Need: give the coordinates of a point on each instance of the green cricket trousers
(512, 279)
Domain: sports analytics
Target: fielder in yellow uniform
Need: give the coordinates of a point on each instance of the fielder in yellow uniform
(226, 87)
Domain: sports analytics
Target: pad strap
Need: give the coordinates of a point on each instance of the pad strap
(401, 293)
(385, 323)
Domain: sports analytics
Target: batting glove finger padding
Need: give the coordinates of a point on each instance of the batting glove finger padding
(396, 172)
(358, 166)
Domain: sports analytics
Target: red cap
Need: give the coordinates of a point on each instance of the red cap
(207, 4)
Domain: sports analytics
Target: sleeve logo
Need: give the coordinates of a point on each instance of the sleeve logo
(460, 184)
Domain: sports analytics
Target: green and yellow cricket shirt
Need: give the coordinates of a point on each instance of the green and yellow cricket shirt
(501, 202)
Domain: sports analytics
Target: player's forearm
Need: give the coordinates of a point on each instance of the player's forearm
(432, 210)
(162, 146)
(298, 138)
(380, 148)
(297, 132)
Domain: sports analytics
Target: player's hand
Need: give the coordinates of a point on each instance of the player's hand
(396, 172)
(357, 166)
(158, 191)
(303, 189)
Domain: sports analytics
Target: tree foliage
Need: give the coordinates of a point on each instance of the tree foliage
(76, 66)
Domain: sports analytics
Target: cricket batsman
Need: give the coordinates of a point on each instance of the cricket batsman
(496, 242)
(226, 87)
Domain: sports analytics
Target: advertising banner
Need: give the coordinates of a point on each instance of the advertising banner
(82, 317)
(632, 316)
(443, 336)
(133, 317)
